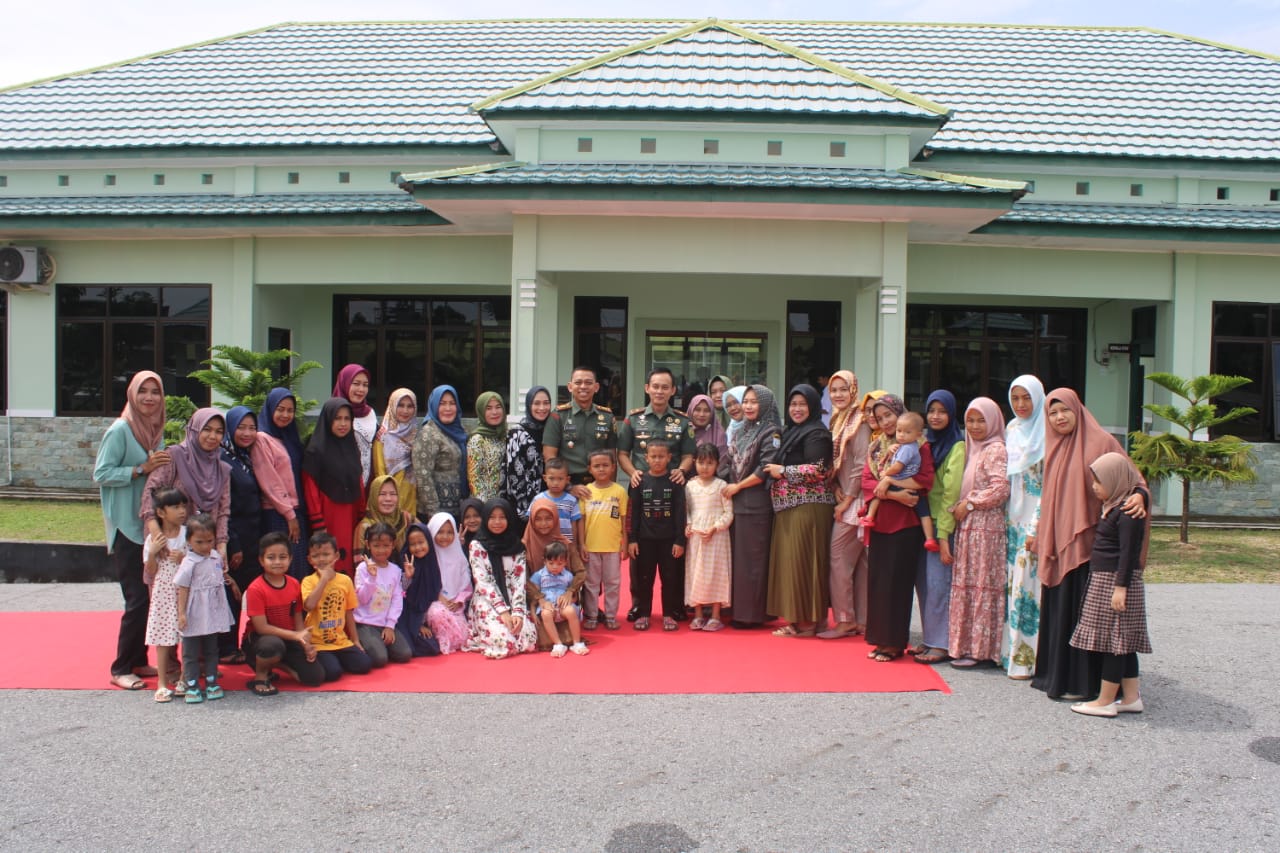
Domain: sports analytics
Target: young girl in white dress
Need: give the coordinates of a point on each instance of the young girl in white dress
(161, 555)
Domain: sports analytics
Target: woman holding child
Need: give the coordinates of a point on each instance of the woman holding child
(131, 449)
(800, 549)
(542, 530)
(897, 540)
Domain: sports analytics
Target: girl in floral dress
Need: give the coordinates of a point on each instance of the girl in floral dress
(161, 555)
(487, 447)
(978, 577)
(1024, 439)
(499, 618)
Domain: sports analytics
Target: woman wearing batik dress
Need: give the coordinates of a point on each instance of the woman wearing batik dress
(393, 450)
(1024, 438)
(487, 447)
(522, 464)
(978, 577)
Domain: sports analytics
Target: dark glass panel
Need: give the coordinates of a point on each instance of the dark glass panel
(1240, 320)
(1006, 362)
(453, 313)
(600, 312)
(1061, 366)
(960, 371)
(495, 369)
(405, 312)
(186, 303)
(362, 348)
(134, 301)
(1249, 360)
(364, 312)
(405, 366)
(959, 322)
(1063, 325)
(133, 348)
(183, 347)
(920, 381)
(81, 301)
(1012, 324)
(495, 312)
(453, 362)
(80, 367)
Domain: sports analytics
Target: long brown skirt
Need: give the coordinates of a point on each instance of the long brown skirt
(801, 557)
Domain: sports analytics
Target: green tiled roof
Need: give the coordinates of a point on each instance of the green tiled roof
(213, 205)
(663, 175)
(713, 66)
(1011, 89)
(1144, 216)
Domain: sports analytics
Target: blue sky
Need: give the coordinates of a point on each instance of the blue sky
(49, 37)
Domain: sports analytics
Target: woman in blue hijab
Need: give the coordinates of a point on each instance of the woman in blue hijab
(440, 455)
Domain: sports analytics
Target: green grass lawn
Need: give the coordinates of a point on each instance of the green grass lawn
(1213, 555)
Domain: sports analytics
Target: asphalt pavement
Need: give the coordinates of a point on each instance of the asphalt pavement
(993, 766)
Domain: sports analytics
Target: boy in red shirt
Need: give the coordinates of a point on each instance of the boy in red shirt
(277, 637)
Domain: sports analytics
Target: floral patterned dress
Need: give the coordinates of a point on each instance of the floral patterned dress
(484, 466)
(1022, 622)
(488, 635)
(978, 577)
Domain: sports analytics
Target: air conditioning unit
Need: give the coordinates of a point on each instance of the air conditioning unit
(25, 268)
(20, 264)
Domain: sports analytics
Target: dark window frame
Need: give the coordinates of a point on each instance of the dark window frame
(832, 335)
(108, 323)
(1266, 388)
(1076, 343)
(477, 330)
(612, 393)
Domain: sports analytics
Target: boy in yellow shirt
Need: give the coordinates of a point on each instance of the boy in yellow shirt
(329, 597)
(604, 513)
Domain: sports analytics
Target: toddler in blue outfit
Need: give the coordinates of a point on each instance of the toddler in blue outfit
(557, 603)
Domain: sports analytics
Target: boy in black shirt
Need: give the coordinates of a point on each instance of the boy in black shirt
(657, 539)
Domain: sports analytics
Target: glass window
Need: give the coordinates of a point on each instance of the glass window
(600, 342)
(813, 340)
(107, 334)
(1246, 342)
(976, 352)
(694, 357)
(418, 343)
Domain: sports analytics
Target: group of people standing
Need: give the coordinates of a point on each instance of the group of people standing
(1020, 512)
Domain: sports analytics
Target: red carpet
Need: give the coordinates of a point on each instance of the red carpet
(76, 651)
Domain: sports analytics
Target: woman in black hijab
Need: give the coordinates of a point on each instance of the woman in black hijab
(500, 622)
(802, 505)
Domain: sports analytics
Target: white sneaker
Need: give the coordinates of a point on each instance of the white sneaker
(579, 648)
(558, 650)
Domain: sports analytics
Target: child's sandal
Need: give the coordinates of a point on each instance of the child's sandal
(163, 695)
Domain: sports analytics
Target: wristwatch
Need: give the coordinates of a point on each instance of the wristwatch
(137, 470)
(968, 506)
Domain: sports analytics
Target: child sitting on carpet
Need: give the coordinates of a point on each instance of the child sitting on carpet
(447, 616)
(381, 598)
(276, 636)
(329, 598)
(558, 603)
(161, 555)
(203, 612)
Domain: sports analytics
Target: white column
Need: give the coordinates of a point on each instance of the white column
(891, 308)
(525, 309)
